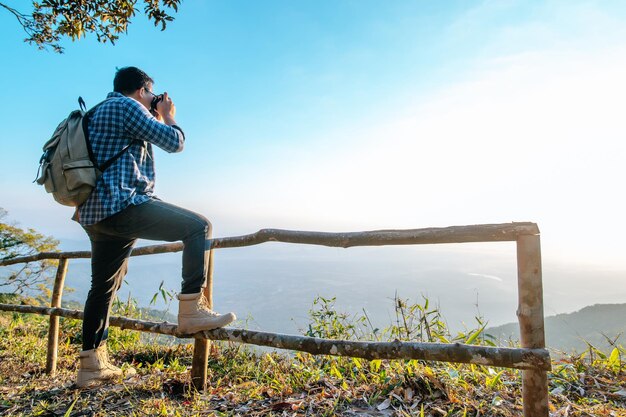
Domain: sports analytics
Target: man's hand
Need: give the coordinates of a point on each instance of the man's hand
(157, 115)
(166, 110)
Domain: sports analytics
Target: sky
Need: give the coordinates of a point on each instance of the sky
(357, 115)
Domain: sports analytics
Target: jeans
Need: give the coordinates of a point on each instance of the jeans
(112, 240)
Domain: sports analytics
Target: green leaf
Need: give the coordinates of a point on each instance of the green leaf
(375, 365)
(492, 382)
(474, 336)
(614, 360)
(335, 372)
(69, 410)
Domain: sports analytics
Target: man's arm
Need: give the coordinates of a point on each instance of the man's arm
(143, 126)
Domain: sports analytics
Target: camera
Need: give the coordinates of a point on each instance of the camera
(154, 102)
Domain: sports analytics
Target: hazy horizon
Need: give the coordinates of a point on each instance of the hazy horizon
(276, 283)
(349, 116)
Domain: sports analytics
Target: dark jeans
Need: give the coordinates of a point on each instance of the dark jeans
(112, 240)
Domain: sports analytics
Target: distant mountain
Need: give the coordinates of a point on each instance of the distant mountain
(569, 332)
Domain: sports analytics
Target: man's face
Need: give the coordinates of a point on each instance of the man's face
(146, 95)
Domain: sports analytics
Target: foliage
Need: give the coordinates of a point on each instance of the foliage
(244, 381)
(415, 322)
(16, 242)
(51, 20)
(327, 323)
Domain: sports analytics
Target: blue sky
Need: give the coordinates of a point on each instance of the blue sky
(353, 115)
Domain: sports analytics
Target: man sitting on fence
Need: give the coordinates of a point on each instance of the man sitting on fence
(123, 208)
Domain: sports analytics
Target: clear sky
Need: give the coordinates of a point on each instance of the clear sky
(357, 115)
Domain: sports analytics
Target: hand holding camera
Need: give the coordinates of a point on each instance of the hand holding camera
(162, 107)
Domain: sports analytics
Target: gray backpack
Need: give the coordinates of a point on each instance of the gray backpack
(67, 168)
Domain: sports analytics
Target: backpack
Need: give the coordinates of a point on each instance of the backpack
(68, 168)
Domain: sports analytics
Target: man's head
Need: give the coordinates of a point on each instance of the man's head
(133, 82)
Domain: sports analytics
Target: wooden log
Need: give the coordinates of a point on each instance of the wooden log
(442, 352)
(202, 346)
(53, 329)
(530, 316)
(209, 280)
(518, 358)
(434, 235)
(454, 234)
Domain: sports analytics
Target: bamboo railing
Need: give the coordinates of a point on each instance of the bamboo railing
(532, 358)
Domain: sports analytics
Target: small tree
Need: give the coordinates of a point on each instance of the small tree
(16, 242)
(51, 20)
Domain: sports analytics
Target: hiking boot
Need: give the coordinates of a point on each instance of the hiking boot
(95, 368)
(194, 314)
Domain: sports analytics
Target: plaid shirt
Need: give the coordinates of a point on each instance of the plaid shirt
(130, 179)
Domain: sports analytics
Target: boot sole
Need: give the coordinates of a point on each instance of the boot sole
(199, 328)
(95, 381)
(196, 329)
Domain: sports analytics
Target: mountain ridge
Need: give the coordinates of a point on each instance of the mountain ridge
(573, 332)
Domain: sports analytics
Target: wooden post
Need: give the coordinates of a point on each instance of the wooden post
(53, 329)
(202, 346)
(530, 316)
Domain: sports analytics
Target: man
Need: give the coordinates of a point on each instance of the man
(123, 208)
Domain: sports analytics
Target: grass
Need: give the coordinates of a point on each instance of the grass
(247, 382)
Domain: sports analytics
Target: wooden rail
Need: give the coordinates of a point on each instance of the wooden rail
(517, 358)
(532, 357)
(454, 234)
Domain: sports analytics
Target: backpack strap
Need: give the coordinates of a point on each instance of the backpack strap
(81, 104)
(86, 118)
(117, 156)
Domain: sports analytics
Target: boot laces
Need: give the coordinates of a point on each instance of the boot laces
(203, 305)
(104, 358)
(103, 354)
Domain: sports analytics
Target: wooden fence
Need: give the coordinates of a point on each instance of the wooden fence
(532, 358)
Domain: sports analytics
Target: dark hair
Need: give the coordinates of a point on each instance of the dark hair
(130, 79)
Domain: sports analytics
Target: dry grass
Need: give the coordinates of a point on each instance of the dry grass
(248, 383)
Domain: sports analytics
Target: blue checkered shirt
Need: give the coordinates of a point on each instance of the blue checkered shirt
(130, 180)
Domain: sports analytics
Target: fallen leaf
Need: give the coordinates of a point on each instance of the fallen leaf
(384, 405)
(408, 394)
